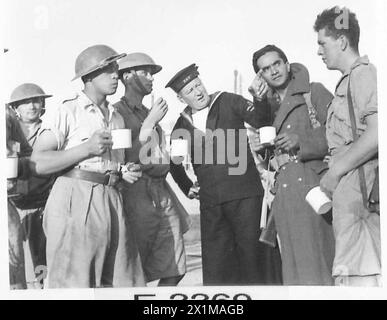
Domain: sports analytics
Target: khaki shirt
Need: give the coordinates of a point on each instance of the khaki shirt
(75, 121)
(364, 97)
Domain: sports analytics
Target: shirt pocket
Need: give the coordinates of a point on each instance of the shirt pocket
(82, 134)
(341, 121)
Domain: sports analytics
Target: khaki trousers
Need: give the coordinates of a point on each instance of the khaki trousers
(89, 240)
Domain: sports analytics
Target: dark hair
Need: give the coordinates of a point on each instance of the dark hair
(328, 20)
(264, 50)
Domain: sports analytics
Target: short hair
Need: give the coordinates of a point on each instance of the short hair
(263, 51)
(328, 20)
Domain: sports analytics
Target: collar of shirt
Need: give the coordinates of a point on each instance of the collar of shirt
(140, 111)
(299, 82)
(188, 114)
(31, 135)
(132, 106)
(359, 61)
(88, 104)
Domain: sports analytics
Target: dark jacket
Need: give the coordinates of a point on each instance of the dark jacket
(293, 116)
(307, 238)
(32, 191)
(217, 185)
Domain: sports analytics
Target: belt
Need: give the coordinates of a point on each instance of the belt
(281, 159)
(153, 178)
(109, 179)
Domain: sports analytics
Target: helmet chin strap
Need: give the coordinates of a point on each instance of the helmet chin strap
(43, 110)
(139, 84)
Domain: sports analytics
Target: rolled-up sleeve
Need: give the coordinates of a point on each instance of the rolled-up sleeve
(58, 122)
(364, 91)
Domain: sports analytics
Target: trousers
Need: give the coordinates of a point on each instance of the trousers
(35, 241)
(231, 251)
(17, 275)
(89, 239)
(357, 231)
(158, 229)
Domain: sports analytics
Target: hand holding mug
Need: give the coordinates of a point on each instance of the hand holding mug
(99, 142)
(255, 142)
(287, 141)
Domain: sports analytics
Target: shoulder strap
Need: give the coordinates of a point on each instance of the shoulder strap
(363, 186)
(311, 109)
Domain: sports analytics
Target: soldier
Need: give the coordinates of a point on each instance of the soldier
(306, 239)
(353, 146)
(28, 100)
(89, 243)
(150, 202)
(18, 148)
(230, 203)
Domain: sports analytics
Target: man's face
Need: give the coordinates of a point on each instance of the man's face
(329, 49)
(274, 70)
(106, 79)
(195, 94)
(30, 110)
(145, 76)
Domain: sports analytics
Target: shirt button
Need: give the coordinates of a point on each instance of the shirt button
(288, 126)
(300, 179)
(285, 185)
(283, 168)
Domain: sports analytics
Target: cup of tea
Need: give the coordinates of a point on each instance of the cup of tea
(179, 148)
(11, 167)
(318, 200)
(267, 135)
(122, 138)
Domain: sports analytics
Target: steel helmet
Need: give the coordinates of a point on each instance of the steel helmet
(138, 59)
(94, 58)
(27, 91)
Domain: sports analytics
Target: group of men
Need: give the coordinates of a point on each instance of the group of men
(112, 220)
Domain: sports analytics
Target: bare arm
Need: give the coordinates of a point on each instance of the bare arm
(46, 159)
(156, 114)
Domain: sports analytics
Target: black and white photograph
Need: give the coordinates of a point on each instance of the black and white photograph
(182, 149)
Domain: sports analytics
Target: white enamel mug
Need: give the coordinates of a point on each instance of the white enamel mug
(122, 138)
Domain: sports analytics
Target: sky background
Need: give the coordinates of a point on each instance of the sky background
(44, 37)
